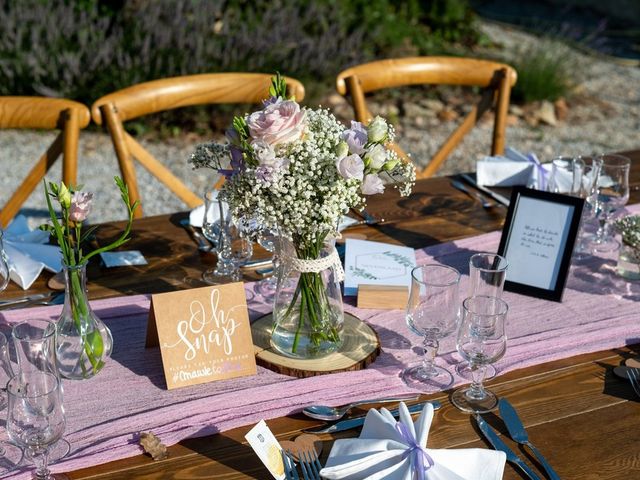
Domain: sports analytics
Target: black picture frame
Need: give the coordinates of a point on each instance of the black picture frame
(573, 207)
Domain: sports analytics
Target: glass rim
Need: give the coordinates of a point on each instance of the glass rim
(624, 162)
(503, 311)
(14, 384)
(45, 334)
(440, 266)
(486, 254)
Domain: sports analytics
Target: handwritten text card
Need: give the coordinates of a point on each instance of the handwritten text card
(203, 334)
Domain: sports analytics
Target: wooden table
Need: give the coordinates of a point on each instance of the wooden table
(584, 419)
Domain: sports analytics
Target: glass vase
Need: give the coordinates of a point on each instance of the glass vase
(308, 314)
(628, 262)
(83, 341)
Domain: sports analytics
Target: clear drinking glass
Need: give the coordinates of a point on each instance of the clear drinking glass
(588, 220)
(487, 274)
(211, 220)
(234, 248)
(432, 312)
(481, 341)
(612, 193)
(566, 176)
(4, 264)
(35, 417)
(268, 239)
(10, 454)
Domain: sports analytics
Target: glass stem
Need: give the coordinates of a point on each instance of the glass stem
(476, 390)
(430, 346)
(40, 458)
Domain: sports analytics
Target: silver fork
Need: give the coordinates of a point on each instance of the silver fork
(632, 374)
(289, 466)
(310, 465)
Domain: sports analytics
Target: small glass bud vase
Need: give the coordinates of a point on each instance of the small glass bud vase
(83, 341)
(308, 313)
(628, 262)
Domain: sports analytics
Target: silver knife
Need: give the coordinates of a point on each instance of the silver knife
(350, 423)
(519, 434)
(30, 298)
(498, 444)
(496, 196)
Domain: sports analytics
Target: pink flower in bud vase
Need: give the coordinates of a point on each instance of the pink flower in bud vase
(372, 185)
(80, 206)
(280, 122)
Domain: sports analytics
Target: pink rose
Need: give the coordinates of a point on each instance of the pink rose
(280, 122)
(372, 185)
(80, 206)
(350, 167)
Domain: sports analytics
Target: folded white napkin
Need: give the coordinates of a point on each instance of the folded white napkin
(391, 450)
(513, 168)
(26, 254)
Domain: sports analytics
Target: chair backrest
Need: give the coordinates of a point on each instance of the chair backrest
(49, 114)
(166, 94)
(496, 78)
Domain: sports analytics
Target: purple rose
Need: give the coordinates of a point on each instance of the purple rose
(372, 185)
(281, 122)
(356, 137)
(80, 206)
(351, 166)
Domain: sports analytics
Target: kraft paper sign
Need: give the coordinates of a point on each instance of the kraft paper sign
(204, 334)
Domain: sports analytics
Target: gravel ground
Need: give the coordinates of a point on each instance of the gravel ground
(609, 120)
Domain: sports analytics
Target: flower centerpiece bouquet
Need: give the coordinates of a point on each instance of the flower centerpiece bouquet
(297, 171)
(83, 341)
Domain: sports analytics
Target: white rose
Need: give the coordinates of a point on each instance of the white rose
(376, 157)
(372, 185)
(264, 152)
(377, 130)
(351, 166)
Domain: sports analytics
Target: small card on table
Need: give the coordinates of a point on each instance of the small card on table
(203, 333)
(267, 448)
(380, 273)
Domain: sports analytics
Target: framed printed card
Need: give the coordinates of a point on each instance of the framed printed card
(538, 239)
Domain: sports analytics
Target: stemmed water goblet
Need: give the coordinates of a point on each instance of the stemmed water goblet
(268, 239)
(35, 416)
(212, 217)
(612, 193)
(481, 340)
(432, 313)
(487, 274)
(10, 454)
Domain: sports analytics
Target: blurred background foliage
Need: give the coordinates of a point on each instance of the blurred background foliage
(84, 49)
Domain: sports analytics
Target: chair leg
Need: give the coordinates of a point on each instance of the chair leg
(502, 110)
(71, 133)
(116, 130)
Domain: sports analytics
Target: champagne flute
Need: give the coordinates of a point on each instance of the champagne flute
(481, 340)
(612, 193)
(35, 417)
(432, 312)
(487, 274)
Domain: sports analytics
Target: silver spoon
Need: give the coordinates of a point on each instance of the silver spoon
(329, 414)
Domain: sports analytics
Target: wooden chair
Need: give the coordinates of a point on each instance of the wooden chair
(166, 94)
(48, 114)
(496, 78)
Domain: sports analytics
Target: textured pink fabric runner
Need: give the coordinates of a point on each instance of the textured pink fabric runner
(104, 414)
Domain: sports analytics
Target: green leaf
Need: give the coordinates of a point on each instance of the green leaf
(96, 344)
(278, 86)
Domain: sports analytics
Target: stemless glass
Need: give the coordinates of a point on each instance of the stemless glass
(432, 312)
(487, 273)
(612, 193)
(35, 417)
(4, 264)
(566, 176)
(481, 341)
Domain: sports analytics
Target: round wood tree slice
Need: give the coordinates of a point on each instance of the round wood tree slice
(361, 346)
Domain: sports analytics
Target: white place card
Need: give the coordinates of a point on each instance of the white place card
(376, 263)
(267, 448)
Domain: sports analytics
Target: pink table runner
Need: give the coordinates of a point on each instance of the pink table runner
(104, 414)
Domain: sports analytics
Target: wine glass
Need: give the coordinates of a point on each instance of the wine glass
(432, 312)
(268, 239)
(487, 274)
(35, 417)
(481, 341)
(234, 248)
(612, 193)
(566, 176)
(588, 192)
(211, 219)
(4, 264)
(10, 454)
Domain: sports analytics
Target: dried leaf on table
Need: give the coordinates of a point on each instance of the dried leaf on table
(153, 446)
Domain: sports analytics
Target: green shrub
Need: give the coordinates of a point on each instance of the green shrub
(547, 70)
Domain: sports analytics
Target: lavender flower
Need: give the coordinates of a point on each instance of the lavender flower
(80, 206)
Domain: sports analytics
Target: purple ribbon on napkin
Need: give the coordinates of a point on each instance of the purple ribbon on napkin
(541, 173)
(420, 455)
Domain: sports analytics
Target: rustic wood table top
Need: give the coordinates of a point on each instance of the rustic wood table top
(584, 419)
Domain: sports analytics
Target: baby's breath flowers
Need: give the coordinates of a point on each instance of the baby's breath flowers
(629, 228)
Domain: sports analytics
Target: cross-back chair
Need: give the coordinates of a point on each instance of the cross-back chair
(160, 95)
(496, 79)
(47, 114)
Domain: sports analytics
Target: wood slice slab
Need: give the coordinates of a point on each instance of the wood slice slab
(361, 346)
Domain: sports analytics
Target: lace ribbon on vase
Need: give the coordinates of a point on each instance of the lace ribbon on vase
(318, 265)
